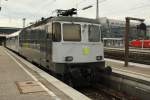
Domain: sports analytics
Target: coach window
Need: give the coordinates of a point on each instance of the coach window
(71, 32)
(94, 33)
(56, 32)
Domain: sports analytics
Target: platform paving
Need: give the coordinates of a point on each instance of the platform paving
(140, 70)
(18, 83)
(10, 73)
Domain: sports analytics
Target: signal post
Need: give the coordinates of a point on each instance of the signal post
(142, 27)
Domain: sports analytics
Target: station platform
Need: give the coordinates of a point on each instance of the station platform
(142, 50)
(135, 70)
(21, 80)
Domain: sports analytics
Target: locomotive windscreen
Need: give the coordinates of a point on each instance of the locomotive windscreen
(57, 31)
(94, 33)
(71, 32)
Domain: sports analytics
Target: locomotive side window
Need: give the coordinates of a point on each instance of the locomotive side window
(94, 33)
(71, 32)
(56, 32)
(49, 29)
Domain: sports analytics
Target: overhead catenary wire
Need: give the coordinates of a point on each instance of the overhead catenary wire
(130, 9)
(81, 2)
(16, 15)
(41, 10)
(91, 5)
(44, 6)
(0, 5)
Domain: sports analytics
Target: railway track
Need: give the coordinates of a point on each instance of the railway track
(101, 92)
(137, 56)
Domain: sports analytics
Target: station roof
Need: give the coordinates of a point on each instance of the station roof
(13, 34)
(8, 30)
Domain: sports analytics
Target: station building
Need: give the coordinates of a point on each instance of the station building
(148, 31)
(113, 31)
(112, 28)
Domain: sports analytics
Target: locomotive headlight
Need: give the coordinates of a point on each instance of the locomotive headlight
(69, 58)
(99, 57)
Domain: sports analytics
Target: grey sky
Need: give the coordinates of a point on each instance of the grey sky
(14, 10)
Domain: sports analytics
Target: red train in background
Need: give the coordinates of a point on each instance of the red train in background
(138, 43)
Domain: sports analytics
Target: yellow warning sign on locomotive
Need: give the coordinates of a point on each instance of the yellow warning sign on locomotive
(85, 50)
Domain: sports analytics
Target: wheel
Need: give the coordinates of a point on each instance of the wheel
(108, 70)
(70, 83)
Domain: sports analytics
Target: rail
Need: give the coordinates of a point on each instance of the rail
(135, 55)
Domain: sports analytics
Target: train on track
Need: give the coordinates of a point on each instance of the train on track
(69, 47)
(140, 43)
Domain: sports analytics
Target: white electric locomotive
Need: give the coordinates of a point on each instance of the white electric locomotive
(69, 47)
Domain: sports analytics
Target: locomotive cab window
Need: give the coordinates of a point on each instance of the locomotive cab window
(94, 33)
(56, 32)
(49, 31)
(71, 32)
